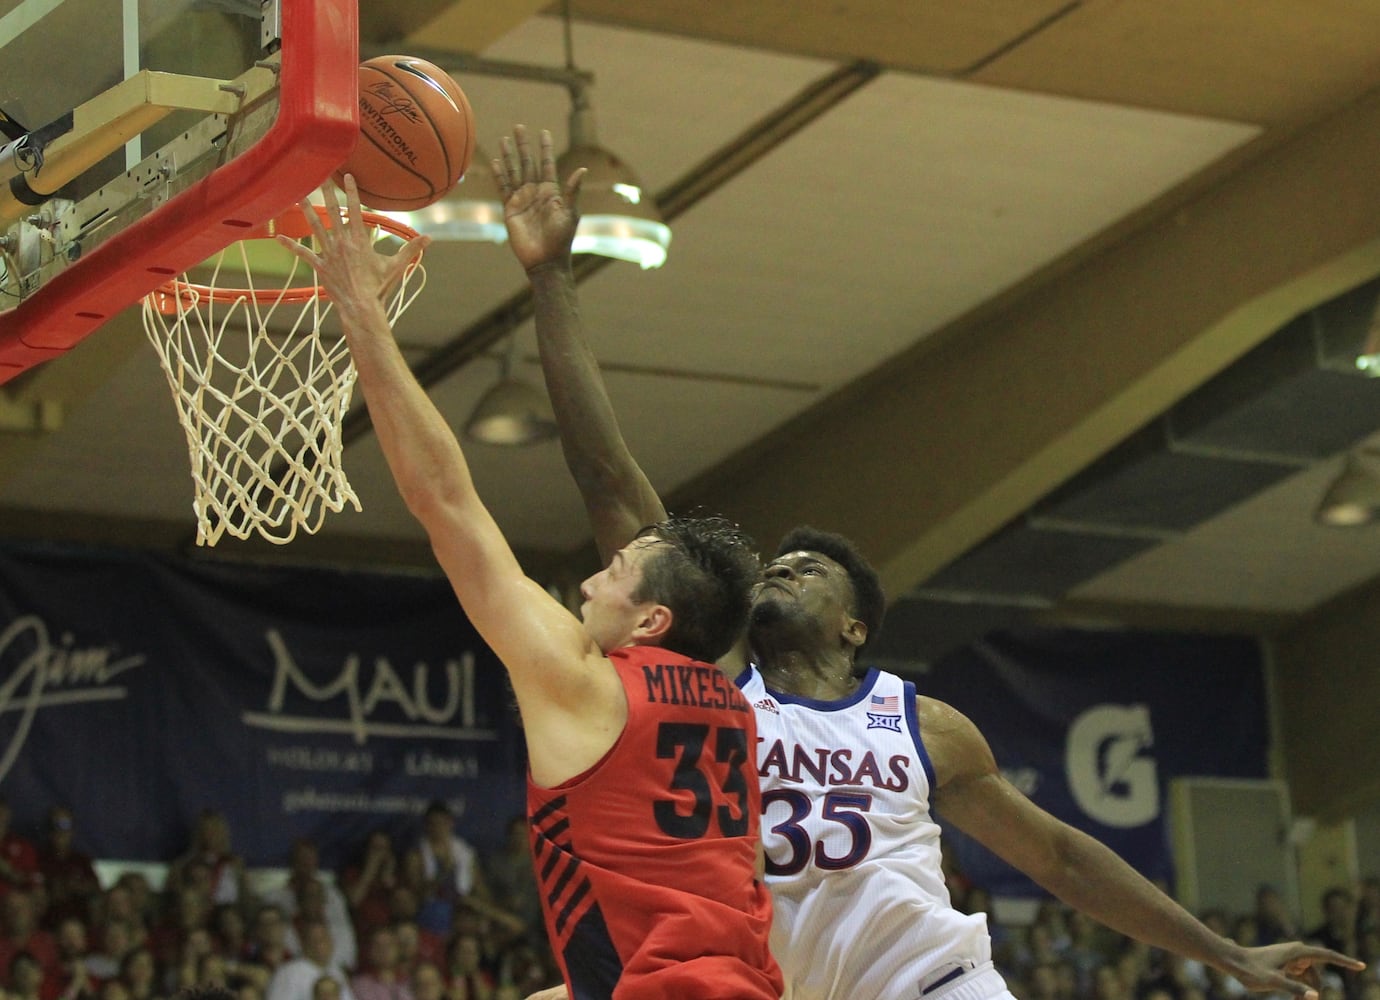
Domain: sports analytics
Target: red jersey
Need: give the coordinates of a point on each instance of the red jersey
(647, 860)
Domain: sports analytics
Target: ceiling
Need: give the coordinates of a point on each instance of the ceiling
(1041, 302)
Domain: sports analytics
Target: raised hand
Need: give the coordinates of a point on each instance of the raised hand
(541, 217)
(354, 274)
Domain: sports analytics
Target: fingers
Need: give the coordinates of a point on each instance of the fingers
(407, 256)
(526, 163)
(302, 253)
(501, 173)
(352, 204)
(572, 186)
(516, 165)
(507, 167)
(332, 203)
(1311, 954)
(548, 157)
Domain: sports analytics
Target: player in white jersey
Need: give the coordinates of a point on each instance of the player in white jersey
(846, 821)
(852, 849)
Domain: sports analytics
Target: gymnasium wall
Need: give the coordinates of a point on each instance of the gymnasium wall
(1327, 685)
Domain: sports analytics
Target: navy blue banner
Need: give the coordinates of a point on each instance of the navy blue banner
(300, 702)
(1093, 726)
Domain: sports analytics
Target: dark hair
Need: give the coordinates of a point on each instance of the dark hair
(869, 600)
(703, 573)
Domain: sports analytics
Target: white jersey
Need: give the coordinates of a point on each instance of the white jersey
(860, 908)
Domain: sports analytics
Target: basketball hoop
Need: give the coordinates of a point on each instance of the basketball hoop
(260, 388)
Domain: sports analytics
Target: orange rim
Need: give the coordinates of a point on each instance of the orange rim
(175, 295)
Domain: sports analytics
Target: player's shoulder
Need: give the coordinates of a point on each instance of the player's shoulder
(953, 742)
(938, 715)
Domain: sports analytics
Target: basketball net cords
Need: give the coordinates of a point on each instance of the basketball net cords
(263, 436)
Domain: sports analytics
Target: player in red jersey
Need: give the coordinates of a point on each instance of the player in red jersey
(642, 790)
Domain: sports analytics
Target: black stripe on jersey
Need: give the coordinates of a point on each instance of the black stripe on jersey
(551, 862)
(591, 961)
(555, 805)
(564, 880)
(581, 891)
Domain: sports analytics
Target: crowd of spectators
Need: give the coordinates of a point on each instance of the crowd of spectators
(433, 919)
(429, 919)
(1062, 954)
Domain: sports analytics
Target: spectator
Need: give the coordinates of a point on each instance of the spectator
(115, 906)
(191, 911)
(267, 946)
(522, 971)
(142, 900)
(26, 977)
(368, 884)
(1338, 929)
(211, 972)
(450, 867)
(229, 937)
(1042, 982)
(1107, 984)
(139, 973)
(113, 989)
(183, 974)
(311, 907)
(493, 936)
(18, 856)
(1053, 917)
(210, 850)
(1273, 922)
(303, 879)
(512, 880)
(466, 977)
(1133, 966)
(19, 932)
(74, 979)
(381, 977)
(416, 947)
(116, 941)
(69, 876)
(295, 978)
(427, 982)
(1086, 953)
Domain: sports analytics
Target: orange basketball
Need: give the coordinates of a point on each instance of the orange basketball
(416, 134)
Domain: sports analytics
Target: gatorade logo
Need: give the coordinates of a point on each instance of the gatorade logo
(1112, 777)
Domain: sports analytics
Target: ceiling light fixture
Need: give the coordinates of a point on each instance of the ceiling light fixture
(472, 212)
(617, 219)
(512, 412)
(1353, 499)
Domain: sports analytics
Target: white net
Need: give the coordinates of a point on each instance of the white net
(262, 391)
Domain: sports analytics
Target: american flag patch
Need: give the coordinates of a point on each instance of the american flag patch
(884, 713)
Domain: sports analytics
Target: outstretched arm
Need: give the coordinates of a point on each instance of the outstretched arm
(541, 219)
(1083, 872)
(569, 703)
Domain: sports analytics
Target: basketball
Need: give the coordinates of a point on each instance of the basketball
(416, 134)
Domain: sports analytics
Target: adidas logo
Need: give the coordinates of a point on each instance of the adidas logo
(767, 705)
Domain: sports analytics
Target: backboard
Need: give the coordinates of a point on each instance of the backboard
(138, 137)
